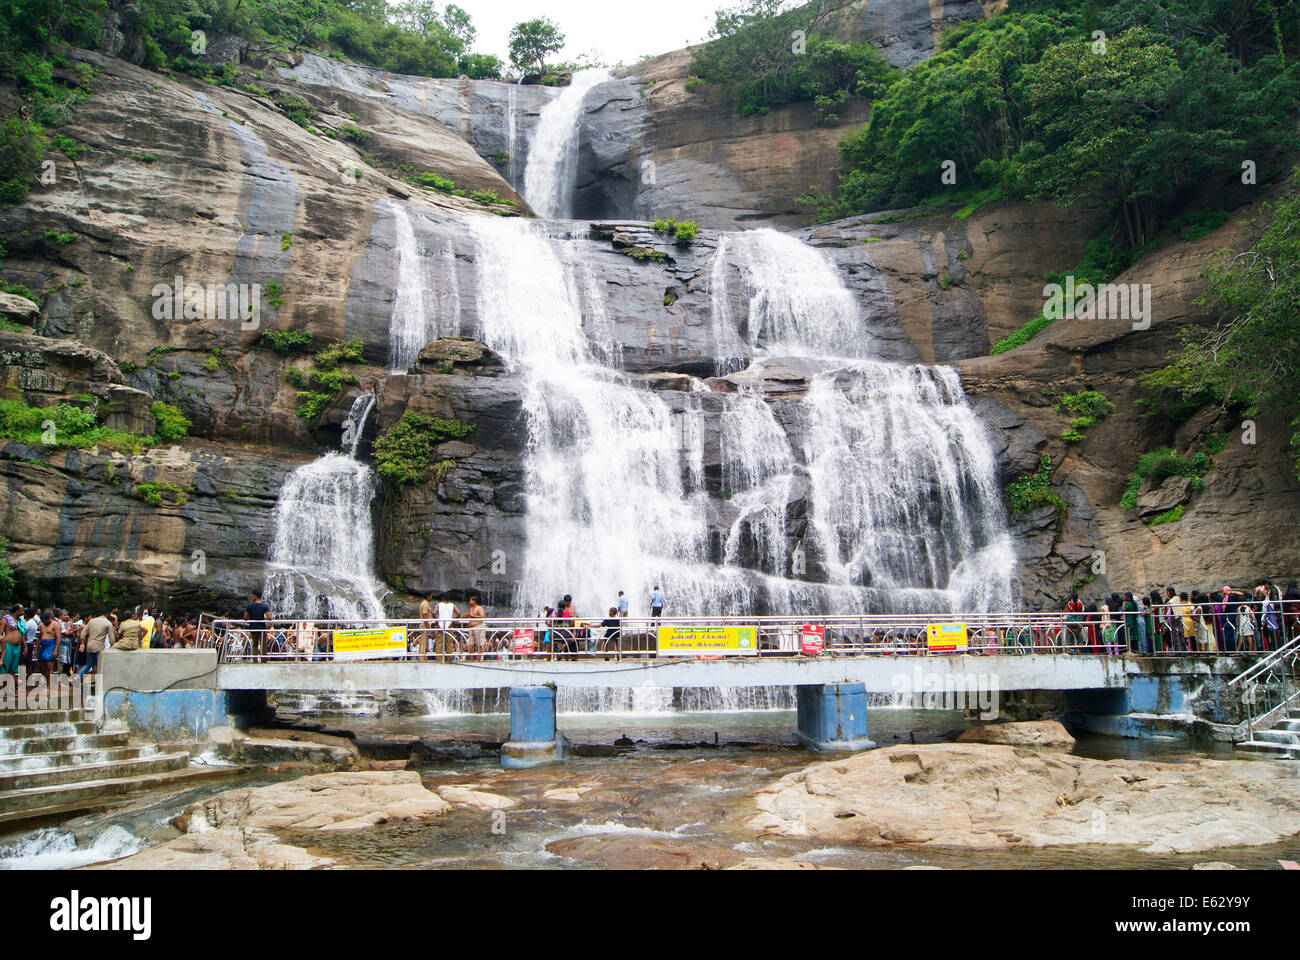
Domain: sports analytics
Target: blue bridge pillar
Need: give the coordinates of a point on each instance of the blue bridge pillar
(833, 717)
(533, 740)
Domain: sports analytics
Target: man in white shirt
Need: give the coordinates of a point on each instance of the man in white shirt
(446, 613)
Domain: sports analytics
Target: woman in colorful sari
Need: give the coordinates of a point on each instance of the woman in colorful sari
(12, 642)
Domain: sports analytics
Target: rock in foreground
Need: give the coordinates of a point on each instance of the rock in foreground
(231, 831)
(1039, 733)
(990, 797)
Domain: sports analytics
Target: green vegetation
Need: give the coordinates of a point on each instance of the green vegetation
(404, 452)
(274, 293)
(1158, 466)
(169, 422)
(1089, 407)
(286, 241)
(685, 232)
(62, 239)
(6, 573)
(762, 56)
(142, 157)
(1035, 491)
(285, 342)
(354, 134)
(69, 148)
(1031, 104)
(1250, 360)
(20, 290)
(320, 385)
(152, 493)
(22, 145)
(490, 198)
(1169, 516)
(644, 254)
(78, 428)
(433, 181)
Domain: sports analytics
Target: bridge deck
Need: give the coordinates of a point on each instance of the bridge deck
(880, 674)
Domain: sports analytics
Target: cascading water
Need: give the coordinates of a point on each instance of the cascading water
(322, 556)
(906, 501)
(552, 170)
(796, 305)
(607, 505)
(903, 488)
(426, 301)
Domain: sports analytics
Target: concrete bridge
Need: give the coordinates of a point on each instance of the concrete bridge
(166, 692)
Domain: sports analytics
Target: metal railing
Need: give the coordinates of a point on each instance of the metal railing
(462, 640)
(1270, 687)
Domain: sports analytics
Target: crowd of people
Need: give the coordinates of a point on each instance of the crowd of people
(57, 643)
(1224, 621)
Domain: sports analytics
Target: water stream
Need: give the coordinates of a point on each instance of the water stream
(322, 554)
(552, 169)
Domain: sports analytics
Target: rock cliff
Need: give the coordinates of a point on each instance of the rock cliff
(217, 185)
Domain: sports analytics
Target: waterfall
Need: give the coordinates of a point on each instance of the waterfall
(322, 554)
(906, 499)
(608, 507)
(905, 502)
(795, 304)
(552, 169)
(902, 492)
(512, 133)
(426, 302)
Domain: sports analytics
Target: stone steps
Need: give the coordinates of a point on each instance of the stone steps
(90, 741)
(72, 758)
(1268, 750)
(34, 730)
(20, 783)
(60, 802)
(1281, 742)
(57, 763)
(28, 718)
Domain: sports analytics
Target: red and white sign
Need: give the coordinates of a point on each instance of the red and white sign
(814, 640)
(523, 645)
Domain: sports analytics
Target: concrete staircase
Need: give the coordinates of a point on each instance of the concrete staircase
(1280, 742)
(57, 762)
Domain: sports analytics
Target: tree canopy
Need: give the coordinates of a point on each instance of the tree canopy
(532, 41)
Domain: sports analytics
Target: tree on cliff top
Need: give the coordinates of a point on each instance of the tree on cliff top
(532, 41)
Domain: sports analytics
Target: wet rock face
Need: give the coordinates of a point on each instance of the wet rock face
(648, 148)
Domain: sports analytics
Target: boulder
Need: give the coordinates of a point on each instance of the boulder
(992, 797)
(18, 308)
(232, 830)
(1041, 733)
(458, 353)
(1173, 492)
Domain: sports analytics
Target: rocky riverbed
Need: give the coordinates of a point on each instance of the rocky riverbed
(666, 805)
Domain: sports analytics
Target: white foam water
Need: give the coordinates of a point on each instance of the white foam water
(53, 849)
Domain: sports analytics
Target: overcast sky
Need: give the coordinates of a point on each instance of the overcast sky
(617, 30)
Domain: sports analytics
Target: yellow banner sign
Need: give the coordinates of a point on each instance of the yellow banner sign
(375, 644)
(947, 637)
(708, 642)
